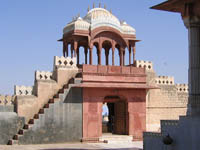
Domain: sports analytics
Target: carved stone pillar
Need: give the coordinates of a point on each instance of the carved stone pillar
(107, 55)
(134, 51)
(129, 55)
(113, 55)
(75, 48)
(78, 61)
(193, 25)
(121, 56)
(64, 48)
(72, 49)
(124, 57)
(86, 52)
(99, 54)
(91, 55)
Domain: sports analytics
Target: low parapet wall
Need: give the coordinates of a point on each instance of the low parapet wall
(113, 70)
(182, 88)
(164, 80)
(148, 65)
(117, 74)
(7, 100)
(7, 103)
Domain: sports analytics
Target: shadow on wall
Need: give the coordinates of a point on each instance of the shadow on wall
(74, 96)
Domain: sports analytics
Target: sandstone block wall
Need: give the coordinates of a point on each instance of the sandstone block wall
(167, 102)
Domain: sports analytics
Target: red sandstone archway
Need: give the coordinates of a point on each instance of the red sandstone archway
(93, 99)
(118, 115)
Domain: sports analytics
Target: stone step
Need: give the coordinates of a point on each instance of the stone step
(61, 91)
(56, 95)
(36, 116)
(31, 121)
(12, 142)
(65, 86)
(79, 75)
(117, 139)
(26, 127)
(21, 132)
(71, 81)
(41, 111)
(16, 137)
(46, 105)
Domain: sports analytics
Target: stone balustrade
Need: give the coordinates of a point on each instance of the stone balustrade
(164, 80)
(148, 65)
(112, 70)
(23, 90)
(182, 88)
(42, 75)
(63, 62)
(6, 100)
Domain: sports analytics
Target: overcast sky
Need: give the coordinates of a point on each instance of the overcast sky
(29, 31)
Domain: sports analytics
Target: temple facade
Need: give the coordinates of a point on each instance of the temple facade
(66, 104)
(122, 87)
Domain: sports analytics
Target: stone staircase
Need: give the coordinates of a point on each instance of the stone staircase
(45, 111)
(114, 138)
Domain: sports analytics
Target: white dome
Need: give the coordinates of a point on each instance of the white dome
(101, 17)
(127, 29)
(98, 17)
(77, 24)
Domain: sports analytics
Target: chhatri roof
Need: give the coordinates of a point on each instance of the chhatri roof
(98, 17)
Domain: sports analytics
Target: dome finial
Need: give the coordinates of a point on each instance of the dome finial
(88, 8)
(111, 11)
(99, 5)
(104, 6)
(93, 5)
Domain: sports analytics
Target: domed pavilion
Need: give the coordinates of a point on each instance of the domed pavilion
(99, 28)
(122, 87)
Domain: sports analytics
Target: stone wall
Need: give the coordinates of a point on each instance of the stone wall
(9, 120)
(168, 101)
(17, 110)
(62, 122)
(10, 123)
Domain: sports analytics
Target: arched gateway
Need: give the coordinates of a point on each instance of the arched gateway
(122, 87)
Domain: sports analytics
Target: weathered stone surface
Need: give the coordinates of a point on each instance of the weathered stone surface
(163, 101)
(9, 125)
(61, 122)
(6, 108)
